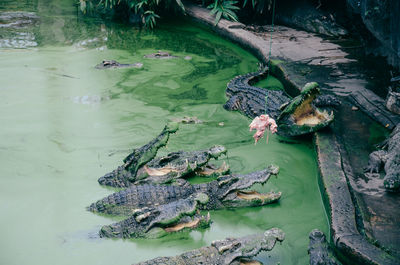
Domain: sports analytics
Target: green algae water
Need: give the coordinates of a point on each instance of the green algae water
(64, 124)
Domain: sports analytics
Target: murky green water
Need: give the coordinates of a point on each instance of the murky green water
(64, 124)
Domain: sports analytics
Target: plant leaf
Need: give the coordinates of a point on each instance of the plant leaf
(83, 6)
(180, 4)
(218, 18)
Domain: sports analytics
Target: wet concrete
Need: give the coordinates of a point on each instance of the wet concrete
(378, 208)
(351, 246)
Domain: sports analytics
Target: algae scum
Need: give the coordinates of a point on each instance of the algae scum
(64, 124)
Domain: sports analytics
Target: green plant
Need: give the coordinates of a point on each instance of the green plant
(145, 9)
(150, 18)
(86, 6)
(253, 3)
(224, 8)
(259, 5)
(148, 11)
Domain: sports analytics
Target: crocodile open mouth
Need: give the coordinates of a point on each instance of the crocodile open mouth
(250, 198)
(189, 223)
(165, 170)
(182, 164)
(254, 195)
(237, 193)
(180, 226)
(300, 116)
(206, 171)
(211, 170)
(125, 228)
(249, 262)
(307, 114)
(243, 198)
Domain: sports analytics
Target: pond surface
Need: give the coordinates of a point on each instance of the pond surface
(64, 124)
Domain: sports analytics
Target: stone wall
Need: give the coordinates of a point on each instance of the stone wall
(382, 19)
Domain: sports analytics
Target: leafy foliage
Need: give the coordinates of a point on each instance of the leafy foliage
(259, 5)
(224, 8)
(228, 9)
(146, 10)
(150, 18)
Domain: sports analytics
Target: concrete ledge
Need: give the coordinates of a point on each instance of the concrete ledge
(231, 30)
(375, 108)
(347, 240)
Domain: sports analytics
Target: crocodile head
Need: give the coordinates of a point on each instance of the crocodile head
(125, 175)
(177, 216)
(179, 164)
(240, 250)
(233, 189)
(300, 116)
(216, 151)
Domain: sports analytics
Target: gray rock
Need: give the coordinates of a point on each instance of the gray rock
(382, 20)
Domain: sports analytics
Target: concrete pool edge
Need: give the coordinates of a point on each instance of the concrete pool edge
(349, 244)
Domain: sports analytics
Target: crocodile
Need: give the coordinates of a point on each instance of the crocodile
(160, 55)
(227, 191)
(125, 175)
(319, 250)
(161, 220)
(211, 170)
(167, 169)
(250, 100)
(300, 116)
(106, 64)
(187, 120)
(388, 158)
(233, 251)
(297, 116)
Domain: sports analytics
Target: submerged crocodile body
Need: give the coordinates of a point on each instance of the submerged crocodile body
(389, 158)
(297, 116)
(155, 222)
(250, 100)
(160, 55)
(105, 64)
(226, 252)
(187, 120)
(225, 192)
